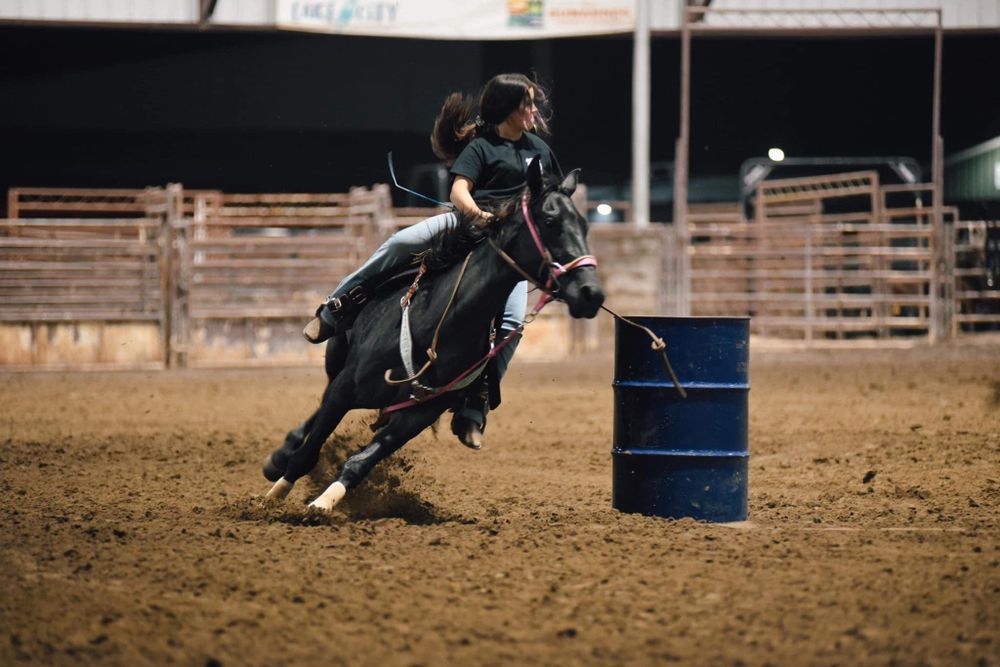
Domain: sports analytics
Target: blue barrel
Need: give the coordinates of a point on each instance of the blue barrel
(682, 457)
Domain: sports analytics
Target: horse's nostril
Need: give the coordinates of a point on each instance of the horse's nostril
(591, 294)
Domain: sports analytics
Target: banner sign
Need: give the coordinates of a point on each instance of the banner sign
(454, 19)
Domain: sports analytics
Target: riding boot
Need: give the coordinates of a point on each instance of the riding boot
(336, 315)
(469, 421)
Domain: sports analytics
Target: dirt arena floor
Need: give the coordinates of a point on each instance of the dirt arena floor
(133, 532)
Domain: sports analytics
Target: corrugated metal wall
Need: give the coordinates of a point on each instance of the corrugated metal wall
(229, 12)
(245, 12)
(665, 14)
(956, 13)
(974, 174)
(103, 11)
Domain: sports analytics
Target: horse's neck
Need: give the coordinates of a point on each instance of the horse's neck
(487, 283)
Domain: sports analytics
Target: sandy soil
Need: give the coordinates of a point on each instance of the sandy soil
(133, 532)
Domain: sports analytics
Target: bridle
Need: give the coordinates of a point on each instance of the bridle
(550, 288)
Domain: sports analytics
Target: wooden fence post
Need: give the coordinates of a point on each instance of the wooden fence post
(178, 277)
(384, 222)
(669, 275)
(155, 207)
(948, 296)
(12, 211)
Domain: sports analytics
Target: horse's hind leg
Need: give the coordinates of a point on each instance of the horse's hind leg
(277, 461)
(403, 427)
(336, 403)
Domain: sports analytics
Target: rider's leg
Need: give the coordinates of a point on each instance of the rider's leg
(469, 422)
(349, 296)
(513, 317)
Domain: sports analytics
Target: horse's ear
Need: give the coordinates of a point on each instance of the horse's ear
(535, 175)
(569, 183)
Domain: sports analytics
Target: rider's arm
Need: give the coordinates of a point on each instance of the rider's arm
(461, 197)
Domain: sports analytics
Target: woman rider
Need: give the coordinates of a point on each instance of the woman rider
(492, 155)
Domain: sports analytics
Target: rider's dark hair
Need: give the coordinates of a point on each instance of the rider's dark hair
(461, 119)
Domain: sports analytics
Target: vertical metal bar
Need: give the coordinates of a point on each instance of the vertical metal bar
(810, 304)
(681, 175)
(880, 289)
(166, 279)
(640, 115)
(938, 329)
(759, 200)
(12, 209)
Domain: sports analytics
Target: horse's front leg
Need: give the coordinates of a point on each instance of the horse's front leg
(277, 461)
(336, 403)
(402, 427)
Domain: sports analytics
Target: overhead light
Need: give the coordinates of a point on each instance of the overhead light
(776, 154)
(604, 209)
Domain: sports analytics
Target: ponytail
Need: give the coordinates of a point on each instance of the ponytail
(463, 118)
(453, 128)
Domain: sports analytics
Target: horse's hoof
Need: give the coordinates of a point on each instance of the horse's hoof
(471, 435)
(329, 498)
(280, 490)
(272, 473)
(326, 506)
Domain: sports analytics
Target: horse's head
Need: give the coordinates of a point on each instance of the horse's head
(570, 270)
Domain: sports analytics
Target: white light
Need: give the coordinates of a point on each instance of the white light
(753, 175)
(907, 174)
(604, 209)
(776, 154)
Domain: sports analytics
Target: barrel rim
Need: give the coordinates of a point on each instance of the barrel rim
(685, 453)
(688, 318)
(692, 386)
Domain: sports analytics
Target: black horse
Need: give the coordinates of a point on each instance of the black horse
(356, 371)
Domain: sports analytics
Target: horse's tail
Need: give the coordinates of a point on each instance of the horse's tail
(454, 127)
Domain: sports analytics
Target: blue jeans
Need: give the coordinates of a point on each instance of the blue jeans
(399, 249)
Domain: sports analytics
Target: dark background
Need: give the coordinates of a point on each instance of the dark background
(269, 111)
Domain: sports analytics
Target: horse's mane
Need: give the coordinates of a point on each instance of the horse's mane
(453, 244)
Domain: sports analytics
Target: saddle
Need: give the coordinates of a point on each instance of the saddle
(485, 390)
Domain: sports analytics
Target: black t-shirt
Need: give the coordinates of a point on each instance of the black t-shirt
(496, 166)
